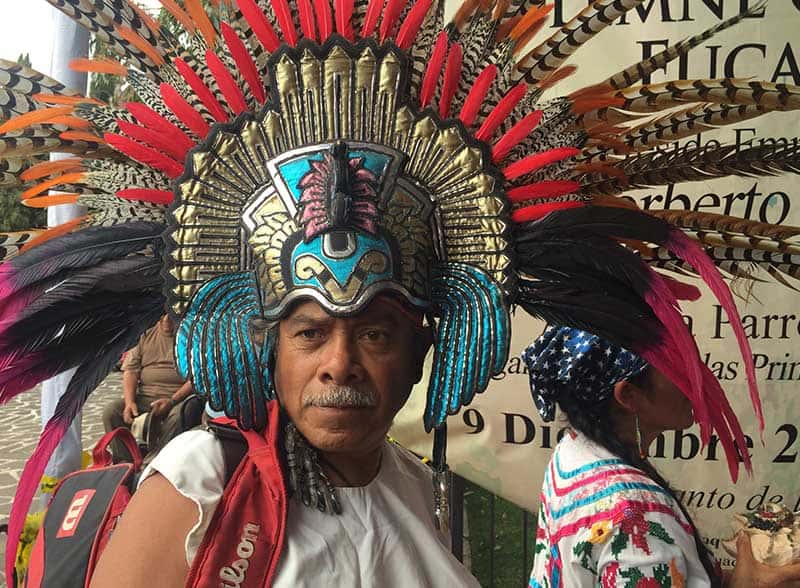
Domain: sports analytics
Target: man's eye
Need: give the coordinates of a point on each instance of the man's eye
(376, 336)
(309, 334)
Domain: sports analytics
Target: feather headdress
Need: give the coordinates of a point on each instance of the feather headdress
(340, 149)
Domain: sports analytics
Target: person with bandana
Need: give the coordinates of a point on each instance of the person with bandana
(607, 517)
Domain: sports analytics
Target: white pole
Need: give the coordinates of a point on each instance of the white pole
(69, 41)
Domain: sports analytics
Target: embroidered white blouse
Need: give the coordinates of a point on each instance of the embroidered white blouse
(604, 523)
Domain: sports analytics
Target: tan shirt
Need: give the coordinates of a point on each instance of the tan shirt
(154, 359)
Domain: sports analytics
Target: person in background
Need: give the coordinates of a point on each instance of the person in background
(607, 517)
(150, 383)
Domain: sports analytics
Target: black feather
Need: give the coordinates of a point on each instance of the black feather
(82, 248)
(621, 223)
(96, 367)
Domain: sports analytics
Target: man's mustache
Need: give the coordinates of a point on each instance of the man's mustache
(344, 397)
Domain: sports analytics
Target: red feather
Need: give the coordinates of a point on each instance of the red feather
(151, 119)
(537, 211)
(412, 23)
(325, 19)
(434, 70)
(244, 62)
(185, 113)
(153, 139)
(230, 89)
(307, 24)
(452, 73)
(145, 155)
(201, 90)
(477, 94)
(260, 24)
(284, 16)
(515, 135)
(390, 16)
(371, 17)
(156, 196)
(536, 161)
(545, 189)
(344, 18)
(501, 111)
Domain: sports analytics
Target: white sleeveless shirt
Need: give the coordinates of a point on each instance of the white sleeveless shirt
(384, 537)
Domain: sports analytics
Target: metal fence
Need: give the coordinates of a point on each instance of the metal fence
(492, 536)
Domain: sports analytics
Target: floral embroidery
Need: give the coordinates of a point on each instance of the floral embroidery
(609, 579)
(600, 531)
(583, 550)
(636, 526)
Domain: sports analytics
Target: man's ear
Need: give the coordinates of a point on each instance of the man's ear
(627, 396)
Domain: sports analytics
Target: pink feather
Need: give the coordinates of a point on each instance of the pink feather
(692, 253)
(230, 89)
(260, 24)
(244, 61)
(184, 111)
(144, 154)
(26, 489)
(199, 87)
(662, 300)
(434, 70)
(412, 23)
(682, 290)
(477, 94)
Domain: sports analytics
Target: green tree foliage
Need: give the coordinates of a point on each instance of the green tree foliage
(15, 216)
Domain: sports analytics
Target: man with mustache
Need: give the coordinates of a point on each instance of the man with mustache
(340, 381)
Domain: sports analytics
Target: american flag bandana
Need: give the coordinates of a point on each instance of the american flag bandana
(566, 361)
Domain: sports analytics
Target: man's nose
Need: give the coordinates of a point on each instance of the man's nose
(341, 362)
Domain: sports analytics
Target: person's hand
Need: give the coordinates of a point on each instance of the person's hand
(749, 573)
(130, 412)
(160, 407)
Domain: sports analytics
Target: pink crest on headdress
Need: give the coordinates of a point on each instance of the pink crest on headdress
(338, 193)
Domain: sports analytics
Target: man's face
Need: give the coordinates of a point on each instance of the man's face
(167, 324)
(342, 380)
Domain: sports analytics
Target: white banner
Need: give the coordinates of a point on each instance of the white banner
(499, 441)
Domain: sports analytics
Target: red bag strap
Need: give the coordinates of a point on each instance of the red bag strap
(245, 537)
(102, 457)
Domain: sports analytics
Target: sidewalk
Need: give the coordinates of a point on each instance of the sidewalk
(19, 432)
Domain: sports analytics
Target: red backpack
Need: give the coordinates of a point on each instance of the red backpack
(81, 517)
